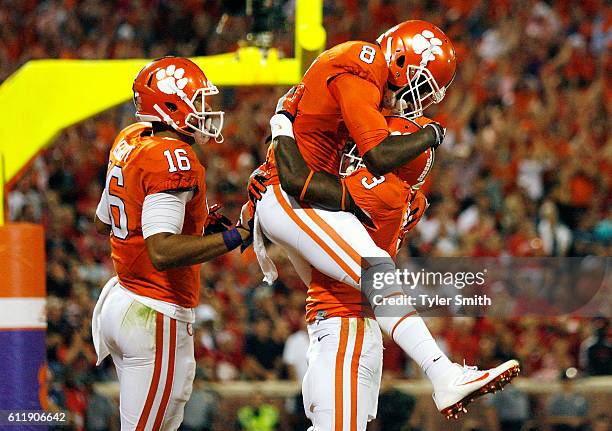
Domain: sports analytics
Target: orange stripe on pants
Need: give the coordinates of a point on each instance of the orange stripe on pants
(296, 219)
(339, 401)
(355, 372)
(169, 377)
(333, 234)
(159, 347)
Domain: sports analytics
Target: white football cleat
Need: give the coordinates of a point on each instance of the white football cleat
(462, 384)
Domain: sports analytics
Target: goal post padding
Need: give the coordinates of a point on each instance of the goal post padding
(23, 320)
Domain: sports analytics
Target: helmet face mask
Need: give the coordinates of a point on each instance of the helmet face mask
(421, 92)
(350, 161)
(421, 61)
(203, 120)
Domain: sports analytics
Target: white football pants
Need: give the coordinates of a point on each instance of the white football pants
(333, 242)
(340, 388)
(154, 358)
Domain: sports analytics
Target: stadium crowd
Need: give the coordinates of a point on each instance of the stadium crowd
(525, 170)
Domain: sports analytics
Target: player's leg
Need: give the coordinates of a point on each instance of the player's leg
(318, 382)
(340, 388)
(117, 308)
(184, 373)
(332, 242)
(370, 373)
(143, 345)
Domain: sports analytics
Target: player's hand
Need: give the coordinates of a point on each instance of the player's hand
(416, 208)
(257, 185)
(245, 226)
(287, 104)
(439, 131)
(216, 221)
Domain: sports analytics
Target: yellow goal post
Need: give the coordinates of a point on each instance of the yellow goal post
(44, 97)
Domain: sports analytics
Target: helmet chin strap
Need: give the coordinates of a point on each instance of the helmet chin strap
(164, 116)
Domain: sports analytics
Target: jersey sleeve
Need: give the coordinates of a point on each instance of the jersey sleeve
(359, 102)
(170, 168)
(164, 212)
(102, 208)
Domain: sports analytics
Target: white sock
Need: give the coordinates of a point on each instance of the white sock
(412, 335)
(400, 321)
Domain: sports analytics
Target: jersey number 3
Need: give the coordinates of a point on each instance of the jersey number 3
(373, 183)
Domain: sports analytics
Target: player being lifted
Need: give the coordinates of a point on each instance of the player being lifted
(154, 207)
(342, 94)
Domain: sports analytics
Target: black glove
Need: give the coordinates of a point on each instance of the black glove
(216, 221)
(257, 185)
(439, 131)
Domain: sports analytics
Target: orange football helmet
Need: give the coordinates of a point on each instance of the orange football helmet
(422, 64)
(167, 89)
(413, 172)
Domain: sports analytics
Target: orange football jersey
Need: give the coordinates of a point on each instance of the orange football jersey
(139, 165)
(343, 94)
(385, 200)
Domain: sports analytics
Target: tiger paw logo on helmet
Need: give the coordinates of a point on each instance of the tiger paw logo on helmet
(427, 46)
(170, 80)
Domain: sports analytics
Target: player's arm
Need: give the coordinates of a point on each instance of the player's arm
(359, 102)
(298, 180)
(162, 222)
(168, 250)
(101, 227)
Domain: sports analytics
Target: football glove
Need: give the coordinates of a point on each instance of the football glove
(257, 184)
(288, 103)
(216, 221)
(246, 221)
(415, 210)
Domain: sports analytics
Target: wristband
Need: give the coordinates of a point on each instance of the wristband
(232, 238)
(281, 126)
(439, 136)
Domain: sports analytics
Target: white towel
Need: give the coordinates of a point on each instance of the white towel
(101, 348)
(265, 263)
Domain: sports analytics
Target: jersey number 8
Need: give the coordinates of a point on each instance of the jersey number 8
(367, 54)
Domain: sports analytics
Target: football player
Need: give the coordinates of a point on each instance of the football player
(341, 385)
(335, 244)
(154, 207)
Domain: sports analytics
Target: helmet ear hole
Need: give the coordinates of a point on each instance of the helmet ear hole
(400, 61)
(171, 106)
